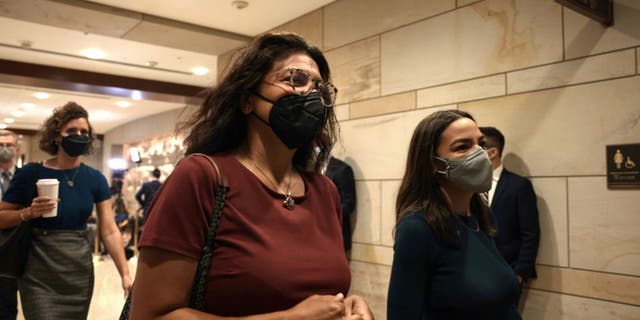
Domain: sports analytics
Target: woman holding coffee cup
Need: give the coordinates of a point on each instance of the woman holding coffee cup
(58, 279)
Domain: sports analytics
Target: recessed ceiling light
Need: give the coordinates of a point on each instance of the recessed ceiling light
(199, 71)
(41, 95)
(93, 53)
(151, 63)
(123, 104)
(239, 4)
(9, 120)
(28, 105)
(3, 126)
(17, 113)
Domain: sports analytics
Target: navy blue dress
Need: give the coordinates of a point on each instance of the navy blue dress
(432, 281)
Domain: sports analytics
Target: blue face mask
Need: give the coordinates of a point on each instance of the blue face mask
(471, 172)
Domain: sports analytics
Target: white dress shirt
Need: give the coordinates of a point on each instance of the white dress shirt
(494, 182)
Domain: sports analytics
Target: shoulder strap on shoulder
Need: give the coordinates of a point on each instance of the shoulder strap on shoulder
(222, 179)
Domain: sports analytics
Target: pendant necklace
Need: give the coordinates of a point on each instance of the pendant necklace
(464, 223)
(70, 181)
(288, 201)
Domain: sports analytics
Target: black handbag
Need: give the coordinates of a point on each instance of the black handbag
(199, 287)
(14, 250)
(16, 241)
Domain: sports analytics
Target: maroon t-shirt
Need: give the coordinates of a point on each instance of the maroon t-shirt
(266, 258)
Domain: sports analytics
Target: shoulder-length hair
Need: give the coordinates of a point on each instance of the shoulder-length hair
(54, 124)
(219, 125)
(420, 188)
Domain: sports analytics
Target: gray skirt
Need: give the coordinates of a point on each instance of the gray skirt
(58, 278)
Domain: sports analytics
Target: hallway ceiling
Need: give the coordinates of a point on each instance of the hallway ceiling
(145, 46)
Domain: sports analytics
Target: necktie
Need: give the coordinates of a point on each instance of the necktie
(6, 177)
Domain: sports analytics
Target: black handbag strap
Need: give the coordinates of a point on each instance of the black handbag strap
(199, 288)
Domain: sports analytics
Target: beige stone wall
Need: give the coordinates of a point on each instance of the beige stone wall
(557, 84)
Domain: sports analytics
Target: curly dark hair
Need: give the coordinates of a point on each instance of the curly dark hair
(420, 188)
(219, 125)
(54, 124)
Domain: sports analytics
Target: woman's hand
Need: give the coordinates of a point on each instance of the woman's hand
(320, 308)
(126, 285)
(39, 206)
(356, 306)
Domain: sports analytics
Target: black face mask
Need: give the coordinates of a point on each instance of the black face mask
(296, 119)
(75, 145)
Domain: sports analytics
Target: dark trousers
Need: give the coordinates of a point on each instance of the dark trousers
(8, 298)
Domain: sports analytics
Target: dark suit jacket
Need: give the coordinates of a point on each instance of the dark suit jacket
(342, 176)
(516, 211)
(146, 193)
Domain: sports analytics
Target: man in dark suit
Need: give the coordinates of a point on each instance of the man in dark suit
(513, 202)
(147, 191)
(9, 151)
(342, 176)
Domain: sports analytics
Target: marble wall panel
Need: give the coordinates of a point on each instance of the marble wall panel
(584, 36)
(462, 3)
(372, 254)
(613, 65)
(481, 88)
(541, 305)
(356, 70)
(346, 21)
(552, 209)
(590, 284)
(383, 105)
(603, 226)
(377, 146)
(365, 221)
(484, 38)
(562, 132)
(308, 25)
(371, 281)
(342, 112)
(388, 211)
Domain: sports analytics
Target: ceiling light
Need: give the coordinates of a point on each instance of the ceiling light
(18, 113)
(3, 126)
(151, 63)
(9, 120)
(136, 95)
(41, 95)
(28, 105)
(239, 4)
(199, 71)
(123, 104)
(93, 53)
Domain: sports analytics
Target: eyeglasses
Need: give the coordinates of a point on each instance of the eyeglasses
(298, 78)
(7, 145)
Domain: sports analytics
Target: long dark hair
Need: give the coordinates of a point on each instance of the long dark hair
(219, 124)
(420, 189)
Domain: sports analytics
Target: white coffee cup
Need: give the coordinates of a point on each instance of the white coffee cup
(49, 188)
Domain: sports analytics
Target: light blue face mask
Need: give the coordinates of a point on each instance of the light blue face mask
(471, 172)
(6, 154)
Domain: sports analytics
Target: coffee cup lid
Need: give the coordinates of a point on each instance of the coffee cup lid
(47, 181)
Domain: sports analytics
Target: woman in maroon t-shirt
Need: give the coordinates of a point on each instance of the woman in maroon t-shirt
(278, 250)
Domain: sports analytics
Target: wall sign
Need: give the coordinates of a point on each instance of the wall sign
(623, 166)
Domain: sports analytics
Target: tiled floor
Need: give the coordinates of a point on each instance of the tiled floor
(107, 292)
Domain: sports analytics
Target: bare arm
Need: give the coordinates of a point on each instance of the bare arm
(113, 242)
(163, 286)
(12, 214)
